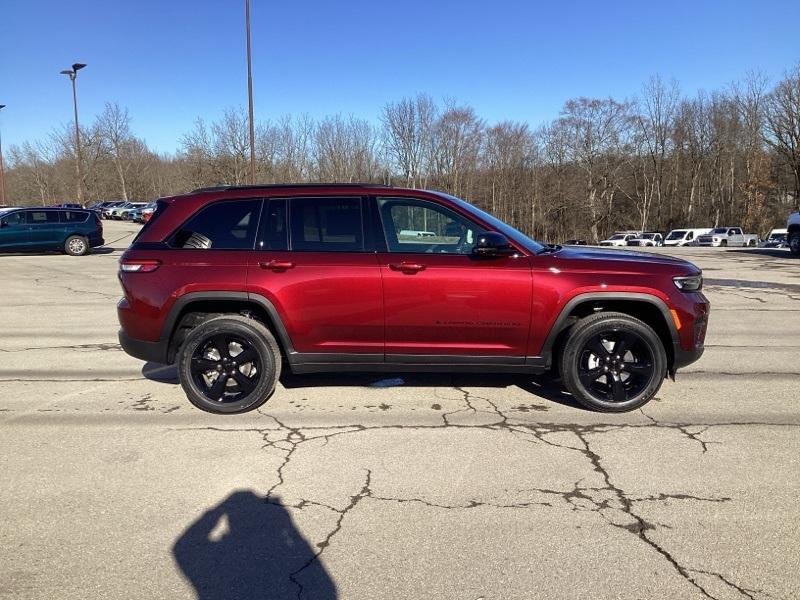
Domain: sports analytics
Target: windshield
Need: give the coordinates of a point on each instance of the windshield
(677, 234)
(777, 236)
(720, 230)
(648, 236)
(508, 231)
(617, 236)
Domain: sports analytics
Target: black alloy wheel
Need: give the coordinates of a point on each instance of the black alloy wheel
(226, 367)
(613, 362)
(229, 364)
(615, 366)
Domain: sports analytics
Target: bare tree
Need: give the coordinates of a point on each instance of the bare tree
(657, 109)
(458, 135)
(782, 117)
(597, 131)
(115, 132)
(345, 150)
(407, 136)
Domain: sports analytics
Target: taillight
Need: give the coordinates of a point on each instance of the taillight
(139, 266)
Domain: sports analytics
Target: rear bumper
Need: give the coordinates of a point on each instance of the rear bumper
(143, 350)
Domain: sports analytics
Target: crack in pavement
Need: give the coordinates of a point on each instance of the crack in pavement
(365, 492)
(609, 501)
(98, 346)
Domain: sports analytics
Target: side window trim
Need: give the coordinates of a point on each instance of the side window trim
(266, 204)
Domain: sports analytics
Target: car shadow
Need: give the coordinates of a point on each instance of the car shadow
(161, 373)
(774, 252)
(544, 387)
(249, 548)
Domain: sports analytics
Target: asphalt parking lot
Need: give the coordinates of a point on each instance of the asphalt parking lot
(358, 486)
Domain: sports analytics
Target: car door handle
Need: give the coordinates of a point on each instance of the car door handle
(276, 265)
(407, 267)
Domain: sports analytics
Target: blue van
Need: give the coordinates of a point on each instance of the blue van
(74, 231)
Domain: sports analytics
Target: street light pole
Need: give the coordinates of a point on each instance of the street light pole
(2, 169)
(250, 95)
(72, 74)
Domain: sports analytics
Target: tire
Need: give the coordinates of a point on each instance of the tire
(76, 245)
(201, 365)
(751, 243)
(794, 243)
(635, 375)
(724, 243)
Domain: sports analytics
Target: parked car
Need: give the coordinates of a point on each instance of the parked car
(648, 238)
(110, 207)
(137, 214)
(575, 243)
(148, 211)
(126, 213)
(776, 238)
(620, 238)
(74, 231)
(727, 236)
(793, 232)
(685, 237)
(227, 282)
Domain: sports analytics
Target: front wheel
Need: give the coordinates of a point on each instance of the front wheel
(229, 365)
(794, 243)
(613, 362)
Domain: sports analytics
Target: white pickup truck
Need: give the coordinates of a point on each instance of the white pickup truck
(793, 228)
(727, 236)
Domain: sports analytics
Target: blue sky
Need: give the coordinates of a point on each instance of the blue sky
(170, 62)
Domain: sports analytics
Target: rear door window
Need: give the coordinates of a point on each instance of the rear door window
(42, 217)
(327, 224)
(223, 225)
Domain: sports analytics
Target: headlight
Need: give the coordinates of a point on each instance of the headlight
(690, 283)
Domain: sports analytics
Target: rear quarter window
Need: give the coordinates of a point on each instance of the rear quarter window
(223, 225)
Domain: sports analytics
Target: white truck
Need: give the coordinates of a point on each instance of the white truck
(728, 236)
(620, 238)
(793, 229)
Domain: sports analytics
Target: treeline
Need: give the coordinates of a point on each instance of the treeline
(658, 161)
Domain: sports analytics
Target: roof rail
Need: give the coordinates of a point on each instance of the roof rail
(220, 188)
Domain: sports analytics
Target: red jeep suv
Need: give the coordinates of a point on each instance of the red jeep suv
(234, 282)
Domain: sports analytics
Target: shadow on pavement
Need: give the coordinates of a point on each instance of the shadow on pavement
(246, 548)
(160, 373)
(542, 386)
(774, 252)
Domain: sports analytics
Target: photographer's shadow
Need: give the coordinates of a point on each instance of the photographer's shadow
(247, 549)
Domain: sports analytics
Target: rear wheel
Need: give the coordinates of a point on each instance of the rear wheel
(76, 245)
(229, 365)
(723, 243)
(612, 362)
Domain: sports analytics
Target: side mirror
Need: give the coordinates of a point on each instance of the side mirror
(3, 223)
(492, 244)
